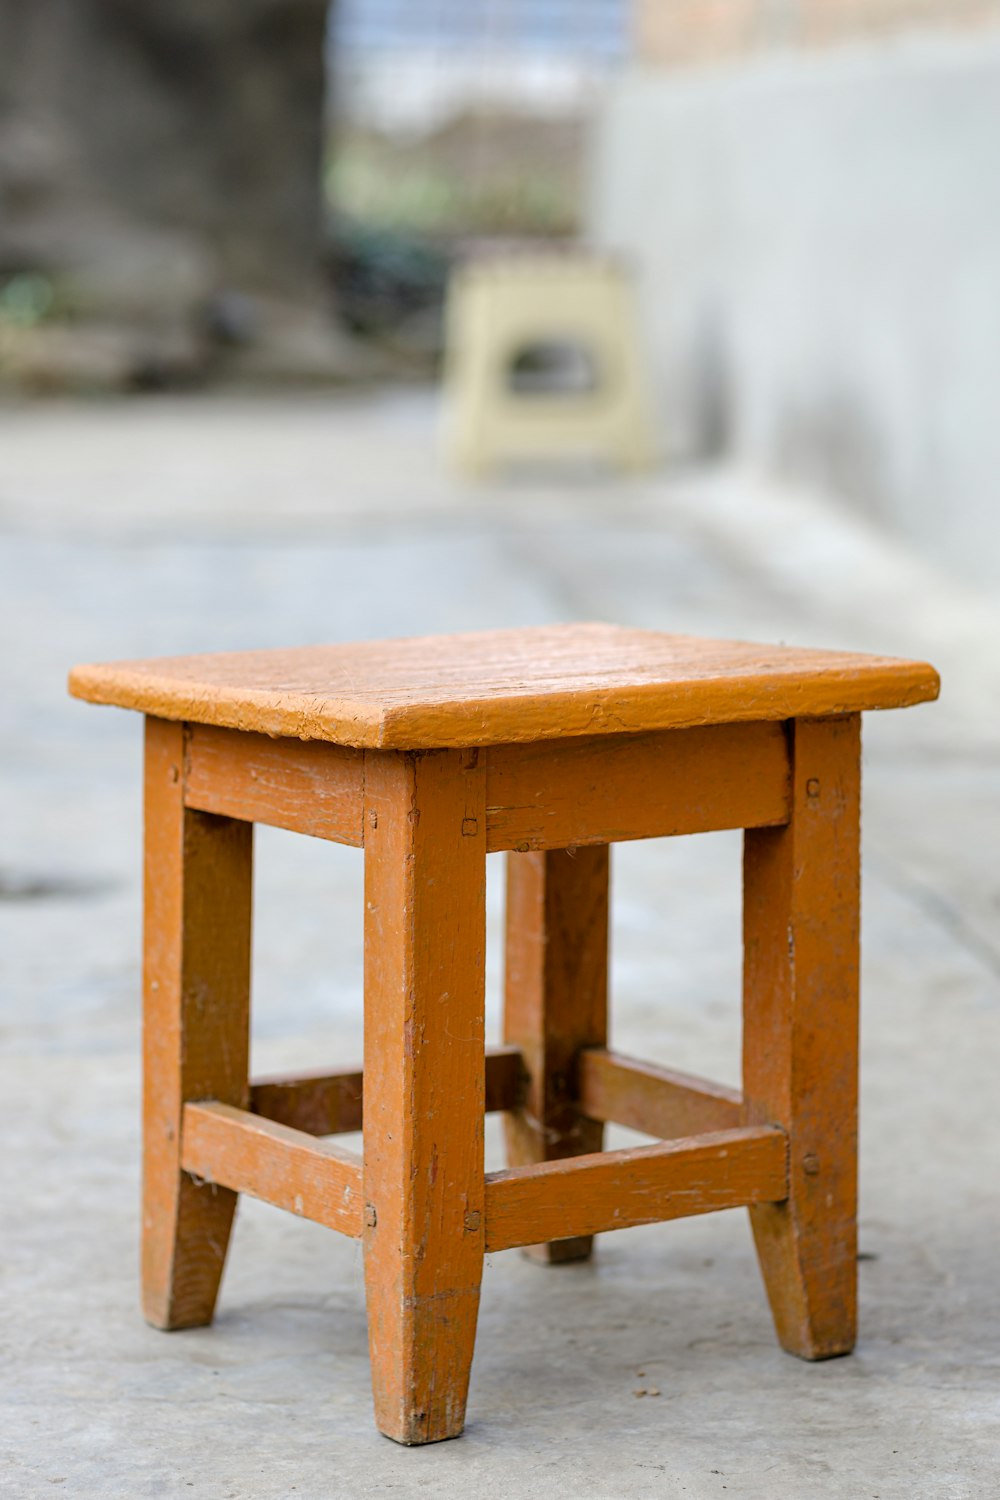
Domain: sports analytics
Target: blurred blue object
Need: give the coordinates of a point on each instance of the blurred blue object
(565, 28)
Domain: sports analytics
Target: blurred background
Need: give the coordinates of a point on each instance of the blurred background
(274, 190)
(227, 234)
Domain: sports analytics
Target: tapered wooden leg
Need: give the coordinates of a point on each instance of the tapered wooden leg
(425, 939)
(556, 1002)
(196, 982)
(800, 1056)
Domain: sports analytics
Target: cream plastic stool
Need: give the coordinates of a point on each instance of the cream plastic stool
(500, 309)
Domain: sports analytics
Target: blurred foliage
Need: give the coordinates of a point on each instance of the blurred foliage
(384, 277)
(27, 298)
(402, 205)
(479, 175)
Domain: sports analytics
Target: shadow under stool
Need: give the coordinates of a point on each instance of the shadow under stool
(549, 743)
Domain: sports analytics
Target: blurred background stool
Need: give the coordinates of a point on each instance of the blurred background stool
(542, 361)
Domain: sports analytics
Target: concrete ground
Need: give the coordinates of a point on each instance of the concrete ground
(181, 525)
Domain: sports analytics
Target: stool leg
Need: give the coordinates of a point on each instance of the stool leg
(198, 875)
(425, 941)
(556, 1002)
(800, 1057)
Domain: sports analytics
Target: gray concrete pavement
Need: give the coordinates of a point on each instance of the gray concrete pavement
(182, 525)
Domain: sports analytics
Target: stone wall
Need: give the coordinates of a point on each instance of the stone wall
(159, 160)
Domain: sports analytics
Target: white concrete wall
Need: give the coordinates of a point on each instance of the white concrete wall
(818, 244)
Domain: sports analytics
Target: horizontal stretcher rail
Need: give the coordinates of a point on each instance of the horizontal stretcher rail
(333, 1104)
(604, 789)
(286, 1167)
(547, 794)
(644, 1185)
(306, 786)
(658, 1101)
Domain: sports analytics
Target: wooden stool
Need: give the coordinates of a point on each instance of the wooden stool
(551, 743)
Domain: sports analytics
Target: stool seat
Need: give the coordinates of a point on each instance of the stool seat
(504, 686)
(548, 745)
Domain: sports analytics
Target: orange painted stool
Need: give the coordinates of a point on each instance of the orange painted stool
(551, 743)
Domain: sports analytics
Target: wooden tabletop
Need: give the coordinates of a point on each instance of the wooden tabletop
(504, 686)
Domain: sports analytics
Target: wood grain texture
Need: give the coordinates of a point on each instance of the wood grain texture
(288, 1168)
(334, 1104)
(643, 1185)
(800, 1055)
(555, 1003)
(319, 1104)
(308, 787)
(425, 938)
(504, 686)
(609, 788)
(196, 985)
(658, 1101)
